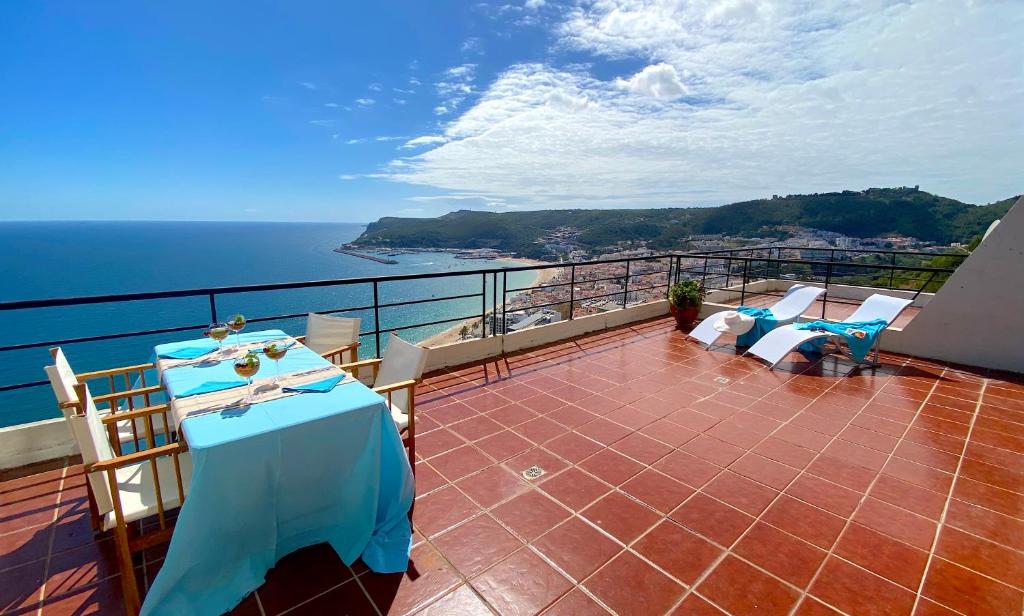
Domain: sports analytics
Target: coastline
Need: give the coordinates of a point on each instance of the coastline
(451, 335)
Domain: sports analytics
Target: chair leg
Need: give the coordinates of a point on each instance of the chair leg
(94, 512)
(129, 586)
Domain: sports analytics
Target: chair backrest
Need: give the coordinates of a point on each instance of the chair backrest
(879, 307)
(402, 361)
(795, 302)
(325, 333)
(92, 439)
(63, 380)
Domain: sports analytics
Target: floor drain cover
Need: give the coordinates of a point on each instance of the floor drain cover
(533, 472)
(722, 380)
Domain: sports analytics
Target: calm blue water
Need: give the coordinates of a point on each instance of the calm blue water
(60, 259)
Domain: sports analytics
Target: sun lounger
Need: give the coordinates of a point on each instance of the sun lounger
(779, 343)
(794, 303)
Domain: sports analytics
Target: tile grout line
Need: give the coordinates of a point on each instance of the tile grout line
(949, 497)
(53, 532)
(849, 519)
(758, 518)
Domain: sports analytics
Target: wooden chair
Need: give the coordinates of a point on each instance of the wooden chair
(332, 337)
(123, 396)
(395, 376)
(131, 487)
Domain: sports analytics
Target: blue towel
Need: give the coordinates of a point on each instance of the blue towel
(859, 346)
(764, 322)
(323, 386)
(188, 352)
(211, 386)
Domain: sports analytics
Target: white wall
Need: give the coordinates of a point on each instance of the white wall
(977, 317)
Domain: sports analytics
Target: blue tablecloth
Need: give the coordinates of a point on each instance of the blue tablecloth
(278, 476)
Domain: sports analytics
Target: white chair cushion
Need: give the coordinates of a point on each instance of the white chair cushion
(325, 333)
(400, 417)
(137, 489)
(62, 379)
(402, 361)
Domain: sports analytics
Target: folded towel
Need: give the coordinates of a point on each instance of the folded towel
(323, 386)
(188, 352)
(860, 336)
(211, 386)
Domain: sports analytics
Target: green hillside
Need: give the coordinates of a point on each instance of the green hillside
(871, 213)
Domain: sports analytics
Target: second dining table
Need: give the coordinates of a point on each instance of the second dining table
(316, 458)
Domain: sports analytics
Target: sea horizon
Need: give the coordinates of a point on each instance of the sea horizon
(50, 259)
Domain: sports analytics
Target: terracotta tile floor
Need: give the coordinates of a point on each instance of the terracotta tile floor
(674, 480)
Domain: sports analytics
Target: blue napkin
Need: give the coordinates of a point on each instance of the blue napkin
(188, 352)
(210, 386)
(323, 386)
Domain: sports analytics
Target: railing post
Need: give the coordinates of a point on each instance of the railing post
(494, 302)
(892, 272)
(483, 305)
(213, 308)
(376, 318)
(824, 297)
(728, 271)
(504, 296)
(572, 289)
(625, 286)
(704, 276)
(743, 287)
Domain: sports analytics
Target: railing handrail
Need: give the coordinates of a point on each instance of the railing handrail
(916, 253)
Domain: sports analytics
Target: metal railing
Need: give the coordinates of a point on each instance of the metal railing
(608, 279)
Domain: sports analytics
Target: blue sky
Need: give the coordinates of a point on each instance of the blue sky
(350, 111)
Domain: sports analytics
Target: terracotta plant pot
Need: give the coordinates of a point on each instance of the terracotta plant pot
(685, 316)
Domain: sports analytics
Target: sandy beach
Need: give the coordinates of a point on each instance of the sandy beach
(451, 334)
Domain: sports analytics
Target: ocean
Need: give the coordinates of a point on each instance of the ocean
(61, 259)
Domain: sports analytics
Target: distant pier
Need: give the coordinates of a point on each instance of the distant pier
(361, 255)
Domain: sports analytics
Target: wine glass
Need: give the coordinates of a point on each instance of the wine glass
(236, 324)
(218, 331)
(246, 367)
(276, 352)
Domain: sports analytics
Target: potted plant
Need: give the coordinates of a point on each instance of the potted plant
(685, 298)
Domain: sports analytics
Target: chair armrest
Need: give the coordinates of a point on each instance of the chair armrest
(386, 389)
(114, 371)
(128, 393)
(134, 414)
(373, 364)
(136, 457)
(338, 351)
(360, 364)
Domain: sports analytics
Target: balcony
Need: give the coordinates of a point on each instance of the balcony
(672, 478)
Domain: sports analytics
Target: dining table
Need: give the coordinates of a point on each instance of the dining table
(312, 458)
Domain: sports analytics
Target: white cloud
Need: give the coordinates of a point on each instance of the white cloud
(389, 138)
(364, 102)
(413, 81)
(464, 201)
(533, 5)
(424, 140)
(322, 122)
(376, 87)
(455, 85)
(411, 210)
(399, 101)
(660, 81)
(331, 105)
(308, 85)
(780, 97)
(473, 45)
(355, 141)
(347, 176)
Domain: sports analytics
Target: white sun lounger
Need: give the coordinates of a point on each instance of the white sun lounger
(794, 303)
(781, 341)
